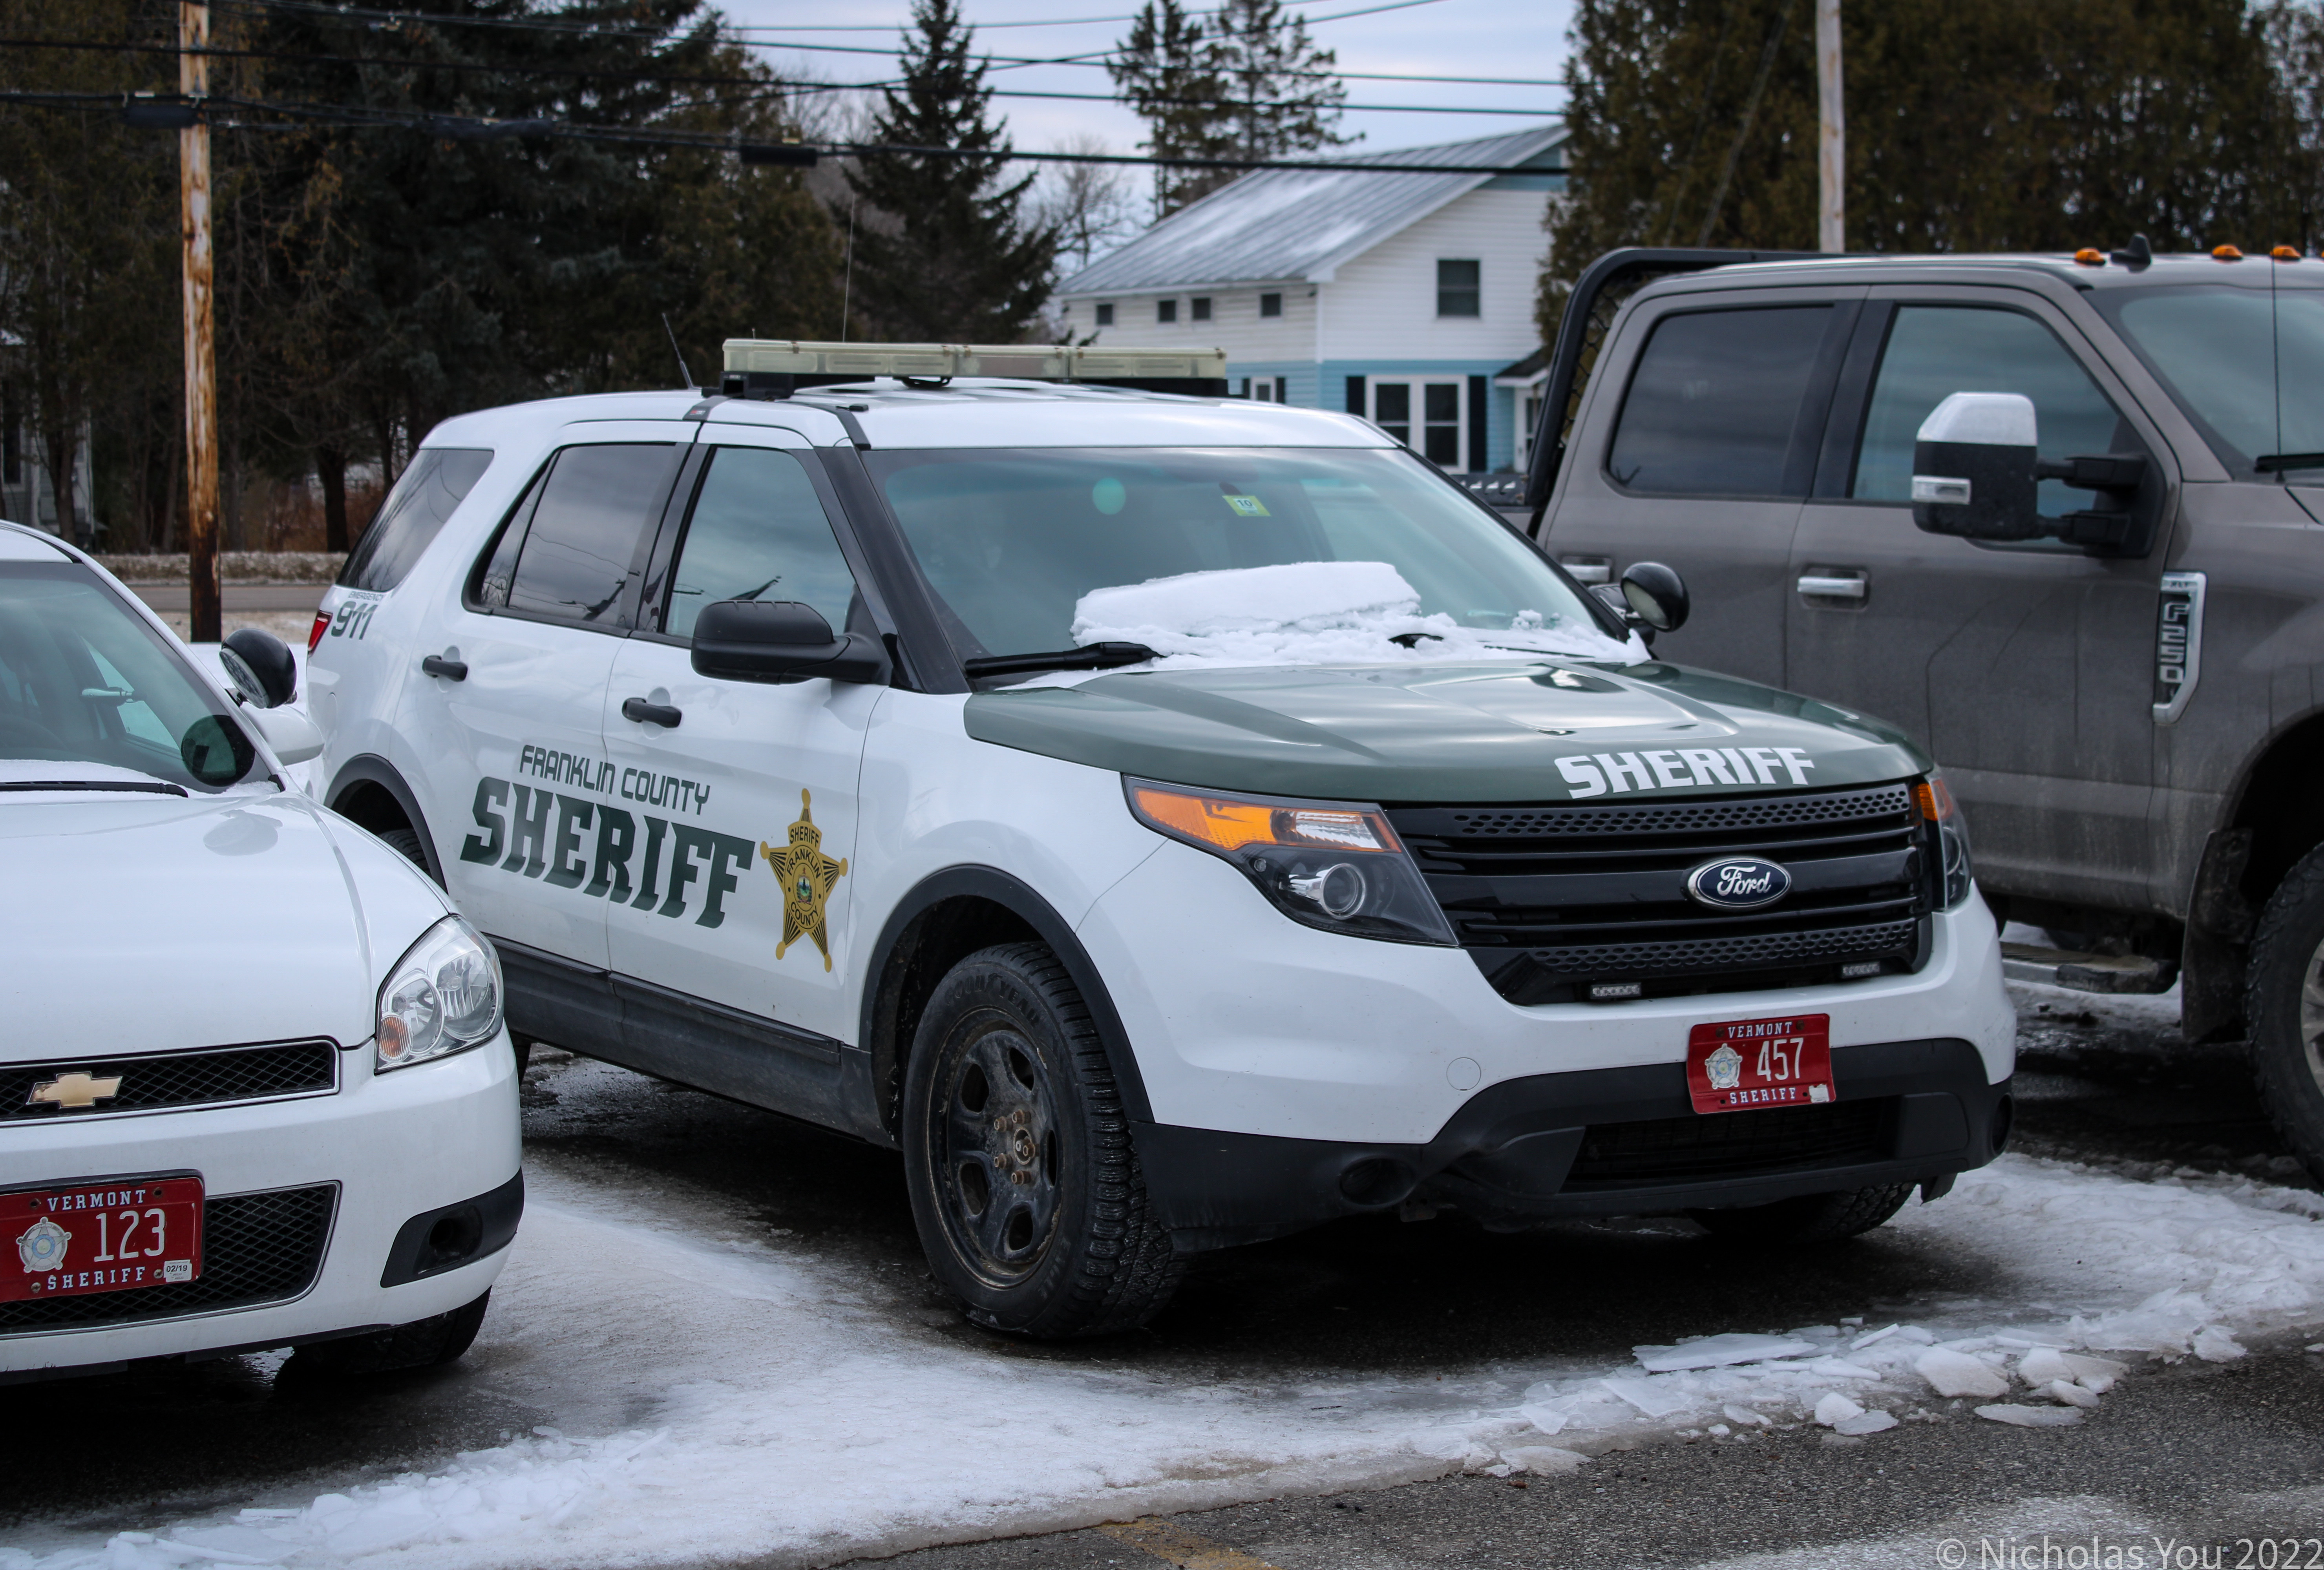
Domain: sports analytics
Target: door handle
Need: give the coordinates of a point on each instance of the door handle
(646, 713)
(1831, 586)
(451, 670)
(1589, 570)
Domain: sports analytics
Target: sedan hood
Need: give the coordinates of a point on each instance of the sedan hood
(138, 924)
(1532, 731)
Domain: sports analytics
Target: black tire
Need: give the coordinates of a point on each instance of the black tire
(1017, 1151)
(2284, 1003)
(1812, 1219)
(405, 842)
(429, 1342)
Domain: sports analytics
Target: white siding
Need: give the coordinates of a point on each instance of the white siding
(1383, 304)
(1235, 324)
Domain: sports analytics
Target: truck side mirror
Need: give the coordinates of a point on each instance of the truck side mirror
(1973, 468)
(780, 640)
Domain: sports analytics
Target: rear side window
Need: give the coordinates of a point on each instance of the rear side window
(432, 485)
(758, 532)
(571, 552)
(1713, 404)
(1936, 351)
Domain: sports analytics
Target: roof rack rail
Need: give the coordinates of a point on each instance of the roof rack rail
(765, 368)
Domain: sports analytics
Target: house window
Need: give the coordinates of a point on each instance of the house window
(1425, 415)
(1105, 314)
(1270, 304)
(1166, 310)
(1202, 308)
(1263, 389)
(1457, 291)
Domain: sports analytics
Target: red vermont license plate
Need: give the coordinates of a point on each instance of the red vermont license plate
(112, 1234)
(1742, 1063)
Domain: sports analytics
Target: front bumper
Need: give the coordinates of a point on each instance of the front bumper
(1595, 1143)
(436, 1138)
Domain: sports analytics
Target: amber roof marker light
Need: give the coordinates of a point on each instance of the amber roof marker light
(2286, 254)
(2090, 256)
(2225, 253)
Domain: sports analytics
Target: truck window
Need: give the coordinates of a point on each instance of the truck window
(758, 532)
(2214, 347)
(1712, 405)
(1935, 350)
(580, 551)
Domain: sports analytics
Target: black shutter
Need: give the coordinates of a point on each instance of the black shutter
(1356, 396)
(1477, 448)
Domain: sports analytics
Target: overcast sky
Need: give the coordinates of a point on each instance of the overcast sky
(1459, 38)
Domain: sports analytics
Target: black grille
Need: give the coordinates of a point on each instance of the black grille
(1701, 1148)
(1554, 901)
(224, 1074)
(257, 1249)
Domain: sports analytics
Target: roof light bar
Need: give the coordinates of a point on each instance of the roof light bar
(776, 367)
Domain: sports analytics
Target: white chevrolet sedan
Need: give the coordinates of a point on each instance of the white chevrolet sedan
(254, 1087)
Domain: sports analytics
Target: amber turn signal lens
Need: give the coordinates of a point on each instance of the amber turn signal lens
(1232, 822)
(1936, 802)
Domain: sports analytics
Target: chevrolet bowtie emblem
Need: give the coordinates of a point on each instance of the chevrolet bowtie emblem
(75, 1091)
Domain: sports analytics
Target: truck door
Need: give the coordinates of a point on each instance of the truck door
(732, 936)
(2023, 668)
(1697, 447)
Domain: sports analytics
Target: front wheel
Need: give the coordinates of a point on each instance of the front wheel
(1812, 1219)
(2284, 1001)
(1024, 1186)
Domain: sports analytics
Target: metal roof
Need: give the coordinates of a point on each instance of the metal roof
(1301, 224)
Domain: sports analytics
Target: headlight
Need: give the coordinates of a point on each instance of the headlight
(1331, 865)
(1954, 878)
(443, 997)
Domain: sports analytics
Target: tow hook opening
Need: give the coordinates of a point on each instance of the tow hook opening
(2004, 1111)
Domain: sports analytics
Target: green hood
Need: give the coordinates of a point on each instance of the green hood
(1505, 732)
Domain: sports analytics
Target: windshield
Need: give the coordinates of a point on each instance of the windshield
(90, 692)
(2245, 364)
(1235, 555)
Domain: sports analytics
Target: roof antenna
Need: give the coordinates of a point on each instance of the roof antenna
(2138, 255)
(682, 371)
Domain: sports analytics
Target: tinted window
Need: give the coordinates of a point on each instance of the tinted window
(431, 487)
(1936, 351)
(1714, 401)
(580, 551)
(759, 532)
(1457, 291)
(2206, 342)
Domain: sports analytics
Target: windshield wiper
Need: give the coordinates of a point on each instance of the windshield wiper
(147, 787)
(2277, 463)
(1090, 657)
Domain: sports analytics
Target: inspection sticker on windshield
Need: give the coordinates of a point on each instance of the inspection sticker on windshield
(1736, 1065)
(1248, 507)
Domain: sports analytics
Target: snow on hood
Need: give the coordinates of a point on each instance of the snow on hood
(1316, 613)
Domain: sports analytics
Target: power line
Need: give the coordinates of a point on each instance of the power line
(1067, 22)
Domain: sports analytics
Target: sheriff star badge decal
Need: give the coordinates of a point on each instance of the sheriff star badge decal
(808, 877)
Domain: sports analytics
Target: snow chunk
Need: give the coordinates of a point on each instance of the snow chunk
(2214, 1344)
(1718, 1351)
(2071, 1395)
(1865, 1423)
(1745, 1416)
(1958, 1373)
(1657, 1397)
(2045, 1364)
(1835, 1409)
(1316, 613)
(1545, 1460)
(2033, 1416)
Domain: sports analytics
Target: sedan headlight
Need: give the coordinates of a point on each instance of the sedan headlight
(1331, 865)
(1954, 878)
(443, 997)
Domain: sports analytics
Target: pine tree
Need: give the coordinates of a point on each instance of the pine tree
(1172, 73)
(958, 259)
(1282, 95)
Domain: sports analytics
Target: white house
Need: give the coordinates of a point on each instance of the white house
(1401, 297)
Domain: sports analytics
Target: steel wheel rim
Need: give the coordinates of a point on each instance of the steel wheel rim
(2311, 1016)
(993, 1136)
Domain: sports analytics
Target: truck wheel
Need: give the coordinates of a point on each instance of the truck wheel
(429, 1342)
(1017, 1151)
(2285, 1005)
(1815, 1219)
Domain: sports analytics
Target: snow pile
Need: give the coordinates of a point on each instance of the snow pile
(1314, 613)
(758, 1401)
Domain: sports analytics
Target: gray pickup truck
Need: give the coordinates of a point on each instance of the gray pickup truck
(2097, 599)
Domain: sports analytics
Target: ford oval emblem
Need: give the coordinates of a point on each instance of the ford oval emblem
(1738, 883)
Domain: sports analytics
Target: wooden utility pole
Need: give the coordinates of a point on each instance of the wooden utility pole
(201, 356)
(1832, 145)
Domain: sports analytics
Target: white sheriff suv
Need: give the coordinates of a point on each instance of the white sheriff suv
(255, 1088)
(1169, 821)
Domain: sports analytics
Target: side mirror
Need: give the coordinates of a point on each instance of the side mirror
(289, 734)
(1656, 595)
(780, 640)
(1973, 468)
(261, 667)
